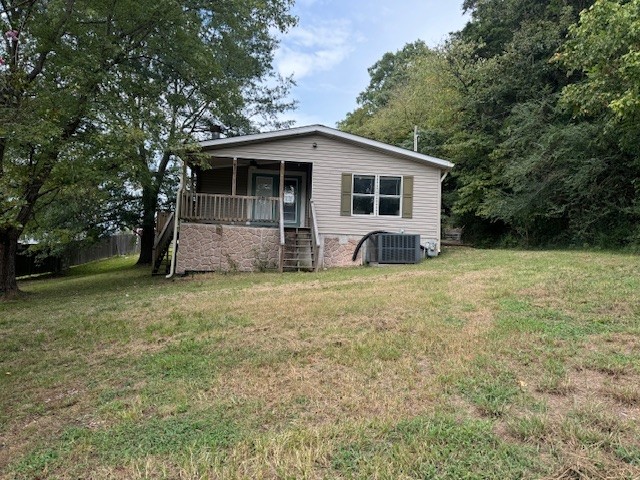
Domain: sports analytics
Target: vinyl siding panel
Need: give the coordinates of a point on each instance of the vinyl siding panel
(291, 150)
(331, 158)
(426, 190)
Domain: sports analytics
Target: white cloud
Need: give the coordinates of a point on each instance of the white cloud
(308, 50)
(337, 40)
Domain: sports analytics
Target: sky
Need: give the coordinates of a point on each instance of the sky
(335, 41)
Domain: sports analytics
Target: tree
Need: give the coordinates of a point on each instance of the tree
(545, 143)
(604, 48)
(187, 96)
(516, 151)
(387, 75)
(428, 98)
(413, 87)
(66, 64)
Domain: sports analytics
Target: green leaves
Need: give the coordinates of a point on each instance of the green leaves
(543, 128)
(114, 88)
(412, 87)
(604, 47)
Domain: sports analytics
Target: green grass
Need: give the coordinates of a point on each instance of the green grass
(477, 364)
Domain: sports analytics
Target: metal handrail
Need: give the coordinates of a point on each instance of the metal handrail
(314, 234)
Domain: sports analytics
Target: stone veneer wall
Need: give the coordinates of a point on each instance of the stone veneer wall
(226, 248)
(338, 250)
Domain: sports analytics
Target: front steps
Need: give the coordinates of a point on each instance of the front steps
(161, 258)
(298, 250)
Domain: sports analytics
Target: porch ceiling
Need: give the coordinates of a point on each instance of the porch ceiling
(226, 162)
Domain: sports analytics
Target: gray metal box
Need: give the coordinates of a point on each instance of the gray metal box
(398, 248)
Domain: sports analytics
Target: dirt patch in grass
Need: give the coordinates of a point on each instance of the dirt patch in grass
(625, 392)
(588, 432)
(585, 390)
(590, 466)
(56, 407)
(471, 289)
(623, 342)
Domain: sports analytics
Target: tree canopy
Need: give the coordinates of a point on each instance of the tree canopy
(94, 92)
(537, 104)
(603, 48)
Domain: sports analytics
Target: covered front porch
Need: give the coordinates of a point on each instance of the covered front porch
(249, 192)
(256, 207)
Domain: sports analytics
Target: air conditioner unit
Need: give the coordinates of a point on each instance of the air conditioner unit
(398, 248)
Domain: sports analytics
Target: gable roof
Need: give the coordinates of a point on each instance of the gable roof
(210, 145)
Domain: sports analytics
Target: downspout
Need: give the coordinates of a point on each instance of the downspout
(176, 220)
(281, 216)
(443, 176)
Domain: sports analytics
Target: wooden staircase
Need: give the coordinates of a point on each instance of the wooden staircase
(161, 248)
(299, 253)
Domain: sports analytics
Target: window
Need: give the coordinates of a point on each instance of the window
(376, 195)
(389, 196)
(364, 188)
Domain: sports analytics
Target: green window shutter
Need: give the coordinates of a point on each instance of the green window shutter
(345, 204)
(407, 197)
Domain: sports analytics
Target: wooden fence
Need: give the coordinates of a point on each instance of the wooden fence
(121, 244)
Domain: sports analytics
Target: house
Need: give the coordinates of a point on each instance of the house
(301, 198)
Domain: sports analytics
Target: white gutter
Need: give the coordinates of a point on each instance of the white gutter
(176, 220)
(443, 176)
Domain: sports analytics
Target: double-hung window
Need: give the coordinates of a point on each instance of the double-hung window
(376, 195)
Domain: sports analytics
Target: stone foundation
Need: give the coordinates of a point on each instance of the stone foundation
(226, 248)
(338, 250)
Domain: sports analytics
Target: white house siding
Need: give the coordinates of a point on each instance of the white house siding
(298, 149)
(331, 158)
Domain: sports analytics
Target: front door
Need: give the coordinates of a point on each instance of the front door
(291, 202)
(268, 185)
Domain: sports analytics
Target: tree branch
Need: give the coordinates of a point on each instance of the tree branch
(53, 39)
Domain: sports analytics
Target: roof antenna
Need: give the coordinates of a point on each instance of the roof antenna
(415, 138)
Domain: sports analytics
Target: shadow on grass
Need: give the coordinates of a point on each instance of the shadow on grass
(102, 277)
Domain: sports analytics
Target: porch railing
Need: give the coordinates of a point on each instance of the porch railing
(204, 207)
(315, 236)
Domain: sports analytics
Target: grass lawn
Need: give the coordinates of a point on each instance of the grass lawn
(478, 364)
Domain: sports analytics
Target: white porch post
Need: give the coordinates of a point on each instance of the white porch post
(281, 215)
(281, 193)
(235, 176)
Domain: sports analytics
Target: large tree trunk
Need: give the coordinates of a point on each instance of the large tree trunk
(8, 251)
(149, 206)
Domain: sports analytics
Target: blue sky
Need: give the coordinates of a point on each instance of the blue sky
(335, 42)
